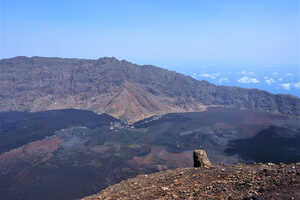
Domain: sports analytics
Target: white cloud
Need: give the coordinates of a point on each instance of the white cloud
(275, 73)
(280, 79)
(297, 85)
(223, 80)
(289, 74)
(286, 86)
(269, 81)
(211, 76)
(244, 72)
(246, 79)
(207, 76)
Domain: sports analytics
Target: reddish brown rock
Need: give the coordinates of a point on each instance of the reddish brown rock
(237, 182)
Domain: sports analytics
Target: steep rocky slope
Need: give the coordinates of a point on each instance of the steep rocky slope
(120, 88)
(237, 182)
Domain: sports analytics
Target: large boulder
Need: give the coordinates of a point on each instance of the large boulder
(201, 159)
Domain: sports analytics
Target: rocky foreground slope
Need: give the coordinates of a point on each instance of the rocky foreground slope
(121, 89)
(238, 182)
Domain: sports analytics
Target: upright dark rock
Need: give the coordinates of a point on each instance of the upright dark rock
(201, 159)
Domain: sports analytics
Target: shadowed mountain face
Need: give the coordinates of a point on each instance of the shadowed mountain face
(79, 153)
(20, 128)
(121, 89)
(275, 143)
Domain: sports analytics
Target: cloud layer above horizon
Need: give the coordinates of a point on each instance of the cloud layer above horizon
(279, 79)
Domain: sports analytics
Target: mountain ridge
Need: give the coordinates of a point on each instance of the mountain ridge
(122, 89)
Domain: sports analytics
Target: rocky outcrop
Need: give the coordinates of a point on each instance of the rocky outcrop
(201, 159)
(237, 182)
(121, 89)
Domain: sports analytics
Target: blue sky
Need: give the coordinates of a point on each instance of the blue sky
(166, 33)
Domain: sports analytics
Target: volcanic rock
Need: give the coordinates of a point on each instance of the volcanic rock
(237, 182)
(201, 159)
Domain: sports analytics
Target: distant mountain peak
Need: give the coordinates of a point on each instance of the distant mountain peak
(105, 60)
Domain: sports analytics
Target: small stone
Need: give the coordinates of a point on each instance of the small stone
(164, 188)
